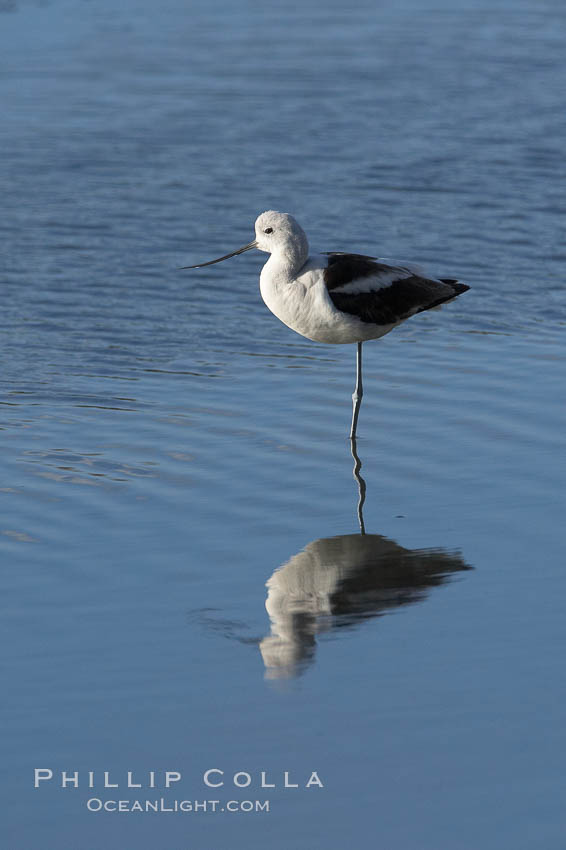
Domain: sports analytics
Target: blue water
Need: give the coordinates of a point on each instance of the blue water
(173, 458)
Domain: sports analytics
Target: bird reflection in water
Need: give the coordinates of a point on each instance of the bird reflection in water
(340, 581)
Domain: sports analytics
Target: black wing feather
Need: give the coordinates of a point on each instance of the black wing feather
(385, 305)
(344, 268)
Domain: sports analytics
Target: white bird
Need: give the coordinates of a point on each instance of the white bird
(337, 297)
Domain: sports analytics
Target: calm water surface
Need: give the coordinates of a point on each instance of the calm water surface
(184, 584)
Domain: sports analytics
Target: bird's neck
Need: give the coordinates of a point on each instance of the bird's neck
(284, 265)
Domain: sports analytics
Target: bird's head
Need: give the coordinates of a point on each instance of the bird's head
(276, 231)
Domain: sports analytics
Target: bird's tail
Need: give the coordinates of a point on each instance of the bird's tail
(456, 285)
(457, 289)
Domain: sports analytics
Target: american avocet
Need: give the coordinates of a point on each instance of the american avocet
(336, 297)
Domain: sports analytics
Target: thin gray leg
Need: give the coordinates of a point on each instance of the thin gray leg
(358, 393)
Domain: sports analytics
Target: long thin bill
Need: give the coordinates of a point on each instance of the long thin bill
(225, 257)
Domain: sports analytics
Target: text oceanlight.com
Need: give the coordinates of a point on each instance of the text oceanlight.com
(94, 804)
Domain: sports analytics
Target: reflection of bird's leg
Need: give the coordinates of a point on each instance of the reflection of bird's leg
(357, 394)
(361, 484)
(357, 400)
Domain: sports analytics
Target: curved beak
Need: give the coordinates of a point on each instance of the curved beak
(225, 257)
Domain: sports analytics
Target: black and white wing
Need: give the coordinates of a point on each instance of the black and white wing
(383, 294)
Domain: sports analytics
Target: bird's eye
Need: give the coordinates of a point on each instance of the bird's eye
(268, 230)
